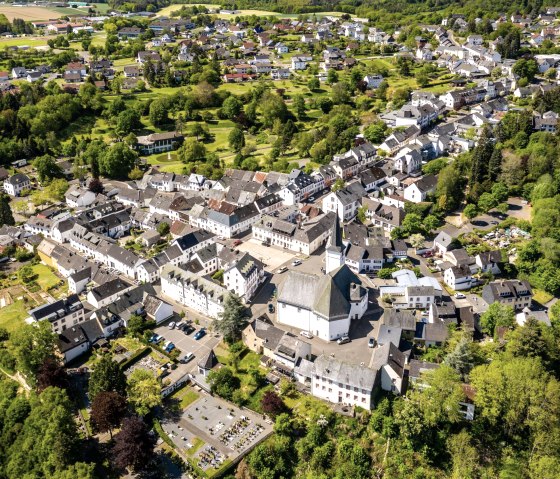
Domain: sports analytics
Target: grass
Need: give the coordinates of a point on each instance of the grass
(13, 315)
(46, 278)
(196, 445)
(18, 42)
(541, 296)
(186, 396)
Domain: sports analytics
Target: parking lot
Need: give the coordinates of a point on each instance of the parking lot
(272, 256)
(187, 344)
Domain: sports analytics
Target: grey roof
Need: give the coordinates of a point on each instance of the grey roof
(346, 373)
(396, 318)
(335, 239)
(328, 296)
(417, 367)
(62, 307)
(109, 288)
(71, 338)
(208, 361)
(270, 334)
(389, 355)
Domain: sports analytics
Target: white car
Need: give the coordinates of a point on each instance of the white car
(460, 296)
(296, 262)
(172, 325)
(306, 334)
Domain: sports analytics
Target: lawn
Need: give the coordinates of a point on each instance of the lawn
(46, 278)
(18, 42)
(186, 396)
(12, 316)
(29, 13)
(541, 296)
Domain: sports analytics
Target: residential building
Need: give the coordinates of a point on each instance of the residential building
(244, 277)
(515, 293)
(61, 314)
(15, 184)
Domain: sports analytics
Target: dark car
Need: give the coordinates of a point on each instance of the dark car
(188, 329)
(271, 308)
(200, 334)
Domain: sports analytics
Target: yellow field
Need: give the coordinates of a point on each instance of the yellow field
(30, 13)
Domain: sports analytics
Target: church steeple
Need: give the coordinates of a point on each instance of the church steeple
(334, 253)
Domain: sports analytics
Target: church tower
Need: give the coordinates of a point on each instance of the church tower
(334, 253)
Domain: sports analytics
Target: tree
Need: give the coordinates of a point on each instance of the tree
(163, 228)
(417, 240)
(47, 169)
(496, 315)
(526, 68)
(361, 216)
(233, 320)
(127, 121)
(332, 76)
(376, 132)
(337, 185)
(6, 216)
(57, 189)
(273, 107)
(462, 358)
(313, 83)
(107, 376)
(236, 139)
(26, 274)
(231, 107)
(430, 223)
(107, 411)
(134, 445)
(470, 211)
(272, 404)
(486, 202)
(32, 346)
(95, 186)
(299, 106)
(223, 382)
(412, 223)
(144, 391)
(464, 456)
(51, 374)
(158, 112)
(192, 150)
(118, 161)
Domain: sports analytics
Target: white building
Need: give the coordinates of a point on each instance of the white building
(244, 277)
(323, 305)
(193, 291)
(15, 184)
(343, 383)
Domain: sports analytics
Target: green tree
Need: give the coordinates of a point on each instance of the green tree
(6, 216)
(236, 139)
(470, 211)
(338, 184)
(462, 358)
(118, 161)
(299, 106)
(47, 169)
(233, 320)
(192, 150)
(26, 274)
(144, 391)
(57, 189)
(417, 240)
(127, 121)
(107, 376)
(231, 107)
(223, 382)
(313, 83)
(158, 112)
(486, 202)
(376, 132)
(32, 345)
(163, 228)
(496, 315)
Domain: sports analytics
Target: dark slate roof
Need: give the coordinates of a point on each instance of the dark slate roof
(208, 361)
(63, 305)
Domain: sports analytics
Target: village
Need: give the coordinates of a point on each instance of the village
(348, 281)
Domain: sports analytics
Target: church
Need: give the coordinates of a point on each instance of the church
(323, 305)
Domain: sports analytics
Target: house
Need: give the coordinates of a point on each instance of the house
(343, 383)
(129, 32)
(344, 202)
(157, 309)
(546, 122)
(33, 76)
(262, 337)
(132, 71)
(489, 261)
(515, 293)
(459, 278)
(280, 74)
(244, 277)
(159, 142)
(391, 363)
(373, 81)
(386, 216)
(323, 305)
(108, 292)
(207, 363)
(298, 63)
(15, 184)
(145, 56)
(419, 190)
(442, 243)
(79, 197)
(72, 343)
(61, 314)
(192, 291)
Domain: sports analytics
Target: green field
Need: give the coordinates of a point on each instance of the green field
(12, 316)
(19, 42)
(46, 279)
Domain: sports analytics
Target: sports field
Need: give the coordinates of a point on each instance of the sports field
(37, 13)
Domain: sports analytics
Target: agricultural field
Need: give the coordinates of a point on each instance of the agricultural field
(37, 13)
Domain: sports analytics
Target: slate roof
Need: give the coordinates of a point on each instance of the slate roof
(346, 373)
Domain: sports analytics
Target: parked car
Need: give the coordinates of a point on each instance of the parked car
(460, 296)
(312, 198)
(282, 270)
(154, 338)
(237, 242)
(306, 334)
(187, 357)
(296, 262)
(200, 334)
(169, 346)
(371, 343)
(188, 329)
(343, 340)
(271, 308)
(172, 325)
